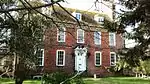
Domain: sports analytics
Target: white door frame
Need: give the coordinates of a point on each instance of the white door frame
(80, 59)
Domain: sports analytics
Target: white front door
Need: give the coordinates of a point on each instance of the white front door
(80, 59)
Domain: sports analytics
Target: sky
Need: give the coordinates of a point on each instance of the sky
(79, 4)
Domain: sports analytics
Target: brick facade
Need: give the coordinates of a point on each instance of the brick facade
(51, 46)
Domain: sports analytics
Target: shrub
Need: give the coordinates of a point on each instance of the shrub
(58, 77)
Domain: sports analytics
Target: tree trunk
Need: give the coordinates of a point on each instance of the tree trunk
(19, 74)
(19, 81)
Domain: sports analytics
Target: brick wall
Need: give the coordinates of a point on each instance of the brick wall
(51, 46)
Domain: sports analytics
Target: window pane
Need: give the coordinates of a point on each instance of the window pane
(97, 37)
(111, 39)
(113, 60)
(78, 16)
(97, 59)
(61, 35)
(60, 57)
(40, 55)
(80, 37)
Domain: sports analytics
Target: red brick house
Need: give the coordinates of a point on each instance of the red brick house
(90, 48)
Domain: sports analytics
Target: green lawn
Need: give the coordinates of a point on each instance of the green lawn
(11, 81)
(117, 80)
(108, 80)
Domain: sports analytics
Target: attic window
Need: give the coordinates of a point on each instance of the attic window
(99, 19)
(77, 15)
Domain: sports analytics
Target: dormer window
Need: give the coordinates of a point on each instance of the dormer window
(77, 15)
(99, 19)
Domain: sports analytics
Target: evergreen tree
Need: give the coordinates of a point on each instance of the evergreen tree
(137, 15)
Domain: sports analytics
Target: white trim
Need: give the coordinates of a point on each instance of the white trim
(99, 33)
(100, 58)
(114, 58)
(42, 57)
(59, 33)
(74, 14)
(57, 58)
(77, 35)
(99, 19)
(114, 37)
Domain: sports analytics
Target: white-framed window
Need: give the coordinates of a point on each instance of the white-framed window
(97, 38)
(80, 36)
(112, 58)
(112, 39)
(77, 15)
(40, 54)
(99, 19)
(60, 58)
(98, 58)
(61, 35)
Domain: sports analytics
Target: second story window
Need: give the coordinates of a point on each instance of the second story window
(80, 36)
(97, 38)
(61, 34)
(112, 39)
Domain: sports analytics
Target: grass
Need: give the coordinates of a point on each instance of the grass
(108, 80)
(117, 80)
(11, 81)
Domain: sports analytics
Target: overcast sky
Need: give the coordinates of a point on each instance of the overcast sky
(79, 4)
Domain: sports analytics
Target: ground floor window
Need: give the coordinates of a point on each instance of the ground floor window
(41, 57)
(60, 58)
(112, 58)
(98, 58)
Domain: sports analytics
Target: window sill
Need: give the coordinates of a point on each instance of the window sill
(98, 65)
(60, 65)
(61, 41)
(80, 42)
(97, 44)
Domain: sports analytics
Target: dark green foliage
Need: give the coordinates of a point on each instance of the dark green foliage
(146, 66)
(58, 77)
(137, 16)
(54, 78)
